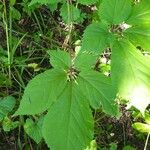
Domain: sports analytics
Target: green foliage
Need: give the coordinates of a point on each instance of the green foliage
(44, 1)
(29, 9)
(128, 147)
(93, 146)
(59, 91)
(4, 81)
(59, 59)
(15, 13)
(6, 106)
(116, 11)
(147, 118)
(42, 90)
(130, 73)
(76, 14)
(98, 32)
(87, 2)
(113, 146)
(88, 60)
(145, 128)
(69, 118)
(140, 13)
(121, 32)
(96, 91)
(136, 33)
(12, 2)
(84, 2)
(34, 129)
(79, 84)
(9, 125)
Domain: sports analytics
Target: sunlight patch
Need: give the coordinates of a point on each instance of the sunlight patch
(140, 98)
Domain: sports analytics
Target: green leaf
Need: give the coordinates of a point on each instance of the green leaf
(140, 13)
(52, 7)
(85, 60)
(28, 8)
(131, 74)
(128, 147)
(139, 36)
(40, 93)
(75, 14)
(60, 59)
(95, 86)
(96, 38)
(12, 2)
(15, 13)
(115, 11)
(69, 124)
(34, 129)
(4, 80)
(87, 2)
(147, 118)
(113, 146)
(44, 2)
(93, 146)
(59, 92)
(9, 125)
(144, 128)
(6, 106)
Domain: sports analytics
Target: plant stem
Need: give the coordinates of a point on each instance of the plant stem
(37, 21)
(5, 20)
(145, 147)
(70, 25)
